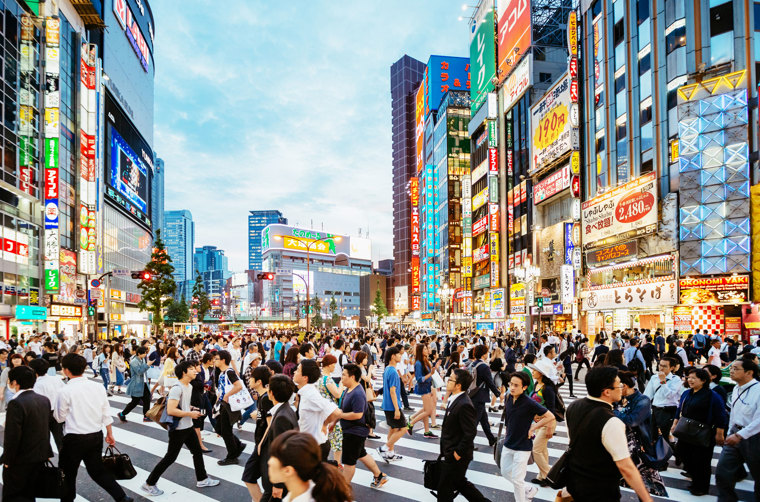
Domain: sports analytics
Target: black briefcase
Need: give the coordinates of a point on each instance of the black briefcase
(50, 482)
(119, 464)
(432, 473)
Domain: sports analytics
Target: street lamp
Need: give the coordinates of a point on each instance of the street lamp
(445, 293)
(308, 243)
(528, 273)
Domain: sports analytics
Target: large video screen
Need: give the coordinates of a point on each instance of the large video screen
(128, 174)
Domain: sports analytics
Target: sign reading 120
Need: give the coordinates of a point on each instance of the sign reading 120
(132, 31)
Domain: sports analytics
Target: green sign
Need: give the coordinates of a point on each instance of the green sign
(51, 280)
(30, 313)
(493, 188)
(482, 54)
(51, 153)
(26, 153)
(493, 135)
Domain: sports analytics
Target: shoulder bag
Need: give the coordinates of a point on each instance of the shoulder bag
(498, 448)
(693, 431)
(432, 473)
(50, 482)
(119, 464)
(558, 474)
(240, 400)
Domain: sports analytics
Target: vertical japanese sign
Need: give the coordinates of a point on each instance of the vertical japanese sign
(515, 27)
(52, 96)
(88, 161)
(27, 148)
(414, 193)
(482, 54)
(419, 130)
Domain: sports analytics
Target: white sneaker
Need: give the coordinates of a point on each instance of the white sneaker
(207, 482)
(152, 491)
(530, 492)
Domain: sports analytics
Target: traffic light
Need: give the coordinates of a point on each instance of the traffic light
(92, 305)
(142, 275)
(539, 302)
(265, 276)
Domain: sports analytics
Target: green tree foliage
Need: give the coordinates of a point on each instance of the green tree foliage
(157, 291)
(177, 311)
(316, 305)
(333, 311)
(200, 297)
(380, 309)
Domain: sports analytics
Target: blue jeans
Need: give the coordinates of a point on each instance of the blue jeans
(247, 413)
(104, 375)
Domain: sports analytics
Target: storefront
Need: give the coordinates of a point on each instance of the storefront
(66, 319)
(554, 317)
(27, 320)
(715, 304)
(636, 294)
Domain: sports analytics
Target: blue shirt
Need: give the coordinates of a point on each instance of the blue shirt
(423, 386)
(632, 352)
(391, 379)
(699, 341)
(354, 401)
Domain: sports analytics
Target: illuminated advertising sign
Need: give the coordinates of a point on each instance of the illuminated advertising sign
(480, 171)
(416, 303)
(497, 303)
(650, 294)
(445, 73)
(132, 31)
(494, 248)
(480, 253)
(567, 284)
(68, 278)
(480, 199)
(619, 252)
(493, 135)
(482, 53)
(415, 274)
(706, 290)
(518, 82)
(621, 213)
(415, 231)
(554, 122)
(52, 247)
(480, 226)
(493, 217)
(514, 33)
(493, 160)
(314, 246)
(419, 130)
(467, 266)
(572, 33)
(88, 159)
(57, 310)
(555, 183)
(414, 190)
(14, 246)
(517, 298)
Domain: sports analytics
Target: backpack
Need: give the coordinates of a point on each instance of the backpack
(473, 390)
(635, 365)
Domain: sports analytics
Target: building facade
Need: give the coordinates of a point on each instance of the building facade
(257, 221)
(157, 198)
(213, 267)
(179, 238)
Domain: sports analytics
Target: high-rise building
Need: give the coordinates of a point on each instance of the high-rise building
(213, 267)
(257, 220)
(406, 75)
(179, 237)
(157, 196)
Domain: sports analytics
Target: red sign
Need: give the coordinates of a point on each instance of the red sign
(574, 68)
(415, 231)
(493, 217)
(635, 206)
(26, 179)
(574, 91)
(51, 183)
(414, 190)
(479, 226)
(514, 35)
(493, 160)
(575, 186)
(415, 274)
(415, 303)
(551, 185)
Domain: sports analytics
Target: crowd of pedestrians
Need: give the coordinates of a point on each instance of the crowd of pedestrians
(652, 401)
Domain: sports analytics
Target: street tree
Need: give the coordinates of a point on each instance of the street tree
(200, 297)
(380, 308)
(316, 305)
(158, 289)
(177, 311)
(333, 308)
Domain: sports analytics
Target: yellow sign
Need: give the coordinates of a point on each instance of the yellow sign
(755, 218)
(117, 294)
(300, 244)
(572, 33)
(674, 150)
(550, 127)
(467, 266)
(65, 310)
(575, 162)
(480, 199)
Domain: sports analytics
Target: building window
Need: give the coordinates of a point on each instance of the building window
(544, 77)
(675, 39)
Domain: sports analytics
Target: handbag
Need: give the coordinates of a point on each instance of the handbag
(50, 482)
(432, 473)
(240, 400)
(498, 448)
(437, 380)
(156, 411)
(118, 464)
(557, 476)
(693, 432)
(659, 454)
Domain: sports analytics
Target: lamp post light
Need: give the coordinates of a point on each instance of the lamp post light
(444, 293)
(308, 243)
(528, 273)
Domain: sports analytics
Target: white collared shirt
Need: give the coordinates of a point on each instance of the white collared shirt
(49, 386)
(17, 394)
(274, 409)
(313, 410)
(82, 404)
(745, 409)
(667, 394)
(452, 398)
(304, 497)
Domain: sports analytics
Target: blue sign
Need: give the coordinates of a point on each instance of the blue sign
(443, 74)
(480, 326)
(30, 313)
(556, 309)
(569, 246)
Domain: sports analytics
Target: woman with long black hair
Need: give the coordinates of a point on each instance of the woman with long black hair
(296, 460)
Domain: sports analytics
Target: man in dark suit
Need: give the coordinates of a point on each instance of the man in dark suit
(26, 440)
(284, 419)
(457, 438)
(485, 384)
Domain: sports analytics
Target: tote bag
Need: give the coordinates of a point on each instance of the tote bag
(239, 401)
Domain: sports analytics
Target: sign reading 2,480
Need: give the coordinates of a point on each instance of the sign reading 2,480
(551, 126)
(634, 207)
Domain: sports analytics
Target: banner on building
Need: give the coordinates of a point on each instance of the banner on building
(482, 54)
(611, 254)
(517, 298)
(555, 183)
(514, 28)
(518, 82)
(52, 246)
(730, 289)
(554, 125)
(652, 294)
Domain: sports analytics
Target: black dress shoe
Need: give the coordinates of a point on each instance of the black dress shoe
(227, 461)
(127, 498)
(539, 482)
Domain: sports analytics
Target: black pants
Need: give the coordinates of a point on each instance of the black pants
(145, 399)
(224, 428)
(580, 364)
(87, 448)
(19, 482)
(482, 418)
(662, 421)
(56, 429)
(598, 491)
(325, 447)
(453, 479)
(177, 438)
(731, 466)
(696, 461)
(404, 397)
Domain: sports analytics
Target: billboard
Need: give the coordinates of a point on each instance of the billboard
(67, 293)
(724, 289)
(517, 298)
(551, 249)
(518, 82)
(650, 294)
(52, 128)
(553, 184)
(621, 213)
(444, 73)
(419, 130)
(278, 236)
(401, 298)
(515, 27)
(554, 125)
(482, 54)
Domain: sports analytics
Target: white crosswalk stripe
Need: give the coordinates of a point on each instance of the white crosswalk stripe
(146, 444)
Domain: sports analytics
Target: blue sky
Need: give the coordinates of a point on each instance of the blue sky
(286, 105)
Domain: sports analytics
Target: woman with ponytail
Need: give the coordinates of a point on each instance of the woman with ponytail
(295, 459)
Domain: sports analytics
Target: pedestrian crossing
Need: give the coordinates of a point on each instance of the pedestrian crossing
(146, 443)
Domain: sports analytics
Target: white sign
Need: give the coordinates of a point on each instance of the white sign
(653, 294)
(518, 82)
(557, 182)
(479, 171)
(626, 211)
(552, 133)
(566, 287)
(121, 272)
(96, 294)
(283, 271)
(497, 303)
(401, 298)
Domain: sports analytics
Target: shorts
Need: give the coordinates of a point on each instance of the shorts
(392, 422)
(252, 469)
(353, 449)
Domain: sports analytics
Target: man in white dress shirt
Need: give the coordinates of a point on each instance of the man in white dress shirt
(315, 413)
(664, 389)
(742, 446)
(49, 386)
(83, 406)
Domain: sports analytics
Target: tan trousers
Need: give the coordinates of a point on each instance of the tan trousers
(541, 453)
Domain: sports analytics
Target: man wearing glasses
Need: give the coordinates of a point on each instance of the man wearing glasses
(598, 450)
(742, 446)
